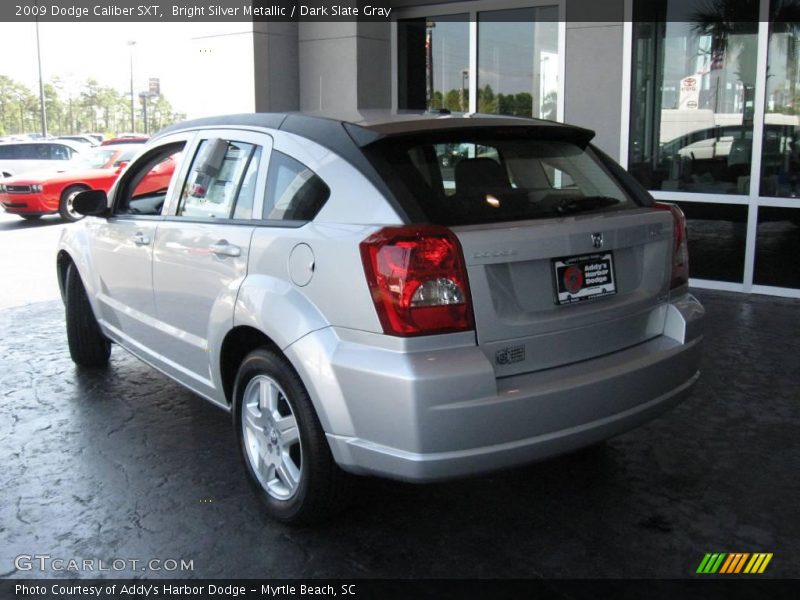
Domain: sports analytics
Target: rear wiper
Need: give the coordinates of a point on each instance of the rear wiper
(585, 203)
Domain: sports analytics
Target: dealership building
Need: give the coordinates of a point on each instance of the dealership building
(698, 100)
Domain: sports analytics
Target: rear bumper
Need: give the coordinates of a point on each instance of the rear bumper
(439, 414)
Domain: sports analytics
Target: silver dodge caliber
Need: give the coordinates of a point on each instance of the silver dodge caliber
(415, 296)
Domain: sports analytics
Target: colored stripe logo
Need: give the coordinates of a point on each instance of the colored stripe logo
(734, 563)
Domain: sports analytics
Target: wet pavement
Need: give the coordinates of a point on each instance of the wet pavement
(124, 464)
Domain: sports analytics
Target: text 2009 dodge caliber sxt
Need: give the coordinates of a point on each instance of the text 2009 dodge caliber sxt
(416, 296)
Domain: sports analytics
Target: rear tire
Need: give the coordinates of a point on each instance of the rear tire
(65, 208)
(282, 444)
(88, 347)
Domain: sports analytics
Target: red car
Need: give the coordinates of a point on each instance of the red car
(31, 195)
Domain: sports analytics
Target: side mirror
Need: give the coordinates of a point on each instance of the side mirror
(120, 166)
(91, 203)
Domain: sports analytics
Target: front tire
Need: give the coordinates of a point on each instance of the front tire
(88, 347)
(282, 444)
(65, 208)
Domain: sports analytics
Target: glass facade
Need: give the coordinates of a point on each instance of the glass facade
(777, 246)
(780, 163)
(433, 63)
(717, 238)
(692, 97)
(518, 62)
(715, 126)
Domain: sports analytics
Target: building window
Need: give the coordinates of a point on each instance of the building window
(778, 231)
(433, 63)
(693, 95)
(780, 158)
(518, 62)
(717, 234)
(777, 245)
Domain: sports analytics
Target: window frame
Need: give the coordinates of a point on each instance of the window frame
(753, 200)
(250, 136)
(121, 186)
(256, 138)
(235, 200)
(266, 191)
(472, 8)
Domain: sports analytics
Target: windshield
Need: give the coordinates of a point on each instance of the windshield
(94, 159)
(461, 181)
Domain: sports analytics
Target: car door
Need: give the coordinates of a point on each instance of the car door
(122, 247)
(201, 250)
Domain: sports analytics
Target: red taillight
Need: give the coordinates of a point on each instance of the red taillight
(680, 248)
(418, 280)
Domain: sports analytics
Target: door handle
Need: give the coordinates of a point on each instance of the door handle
(223, 248)
(141, 239)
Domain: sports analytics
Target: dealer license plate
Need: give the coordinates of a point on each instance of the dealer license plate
(579, 278)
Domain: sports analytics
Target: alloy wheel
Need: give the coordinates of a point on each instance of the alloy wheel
(271, 437)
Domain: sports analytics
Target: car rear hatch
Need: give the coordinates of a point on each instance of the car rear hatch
(565, 259)
(516, 271)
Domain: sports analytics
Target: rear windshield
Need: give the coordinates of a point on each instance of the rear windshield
(462, 180)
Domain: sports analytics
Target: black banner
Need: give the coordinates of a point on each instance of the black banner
(197, 10)
(372, 589)
(368, 10)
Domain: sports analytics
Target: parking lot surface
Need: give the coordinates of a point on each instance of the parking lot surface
(125, 464)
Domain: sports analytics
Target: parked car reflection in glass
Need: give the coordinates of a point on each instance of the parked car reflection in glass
(718, 160)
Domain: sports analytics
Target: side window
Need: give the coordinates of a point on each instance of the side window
(221, 182)
(148, 180)
(247, 191)
(59, 152)
(7, 151)
(33, 152)
(294, 192)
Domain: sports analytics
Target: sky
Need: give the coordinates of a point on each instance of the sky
(204, 68)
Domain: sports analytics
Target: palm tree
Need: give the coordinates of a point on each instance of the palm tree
(722, 21)
(785, 19)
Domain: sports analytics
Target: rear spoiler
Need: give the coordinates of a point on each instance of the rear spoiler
(477, 128)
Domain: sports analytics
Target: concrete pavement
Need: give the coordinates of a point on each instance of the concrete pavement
(27, 259)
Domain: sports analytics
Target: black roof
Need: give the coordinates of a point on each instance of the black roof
(368, 126)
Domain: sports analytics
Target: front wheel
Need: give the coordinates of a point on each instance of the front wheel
(282, 444)
(88, 347)
(65, 206)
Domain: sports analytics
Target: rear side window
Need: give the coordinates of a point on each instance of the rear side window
(221, 182)
(461, 181)
(60, 152)
(294, 192)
